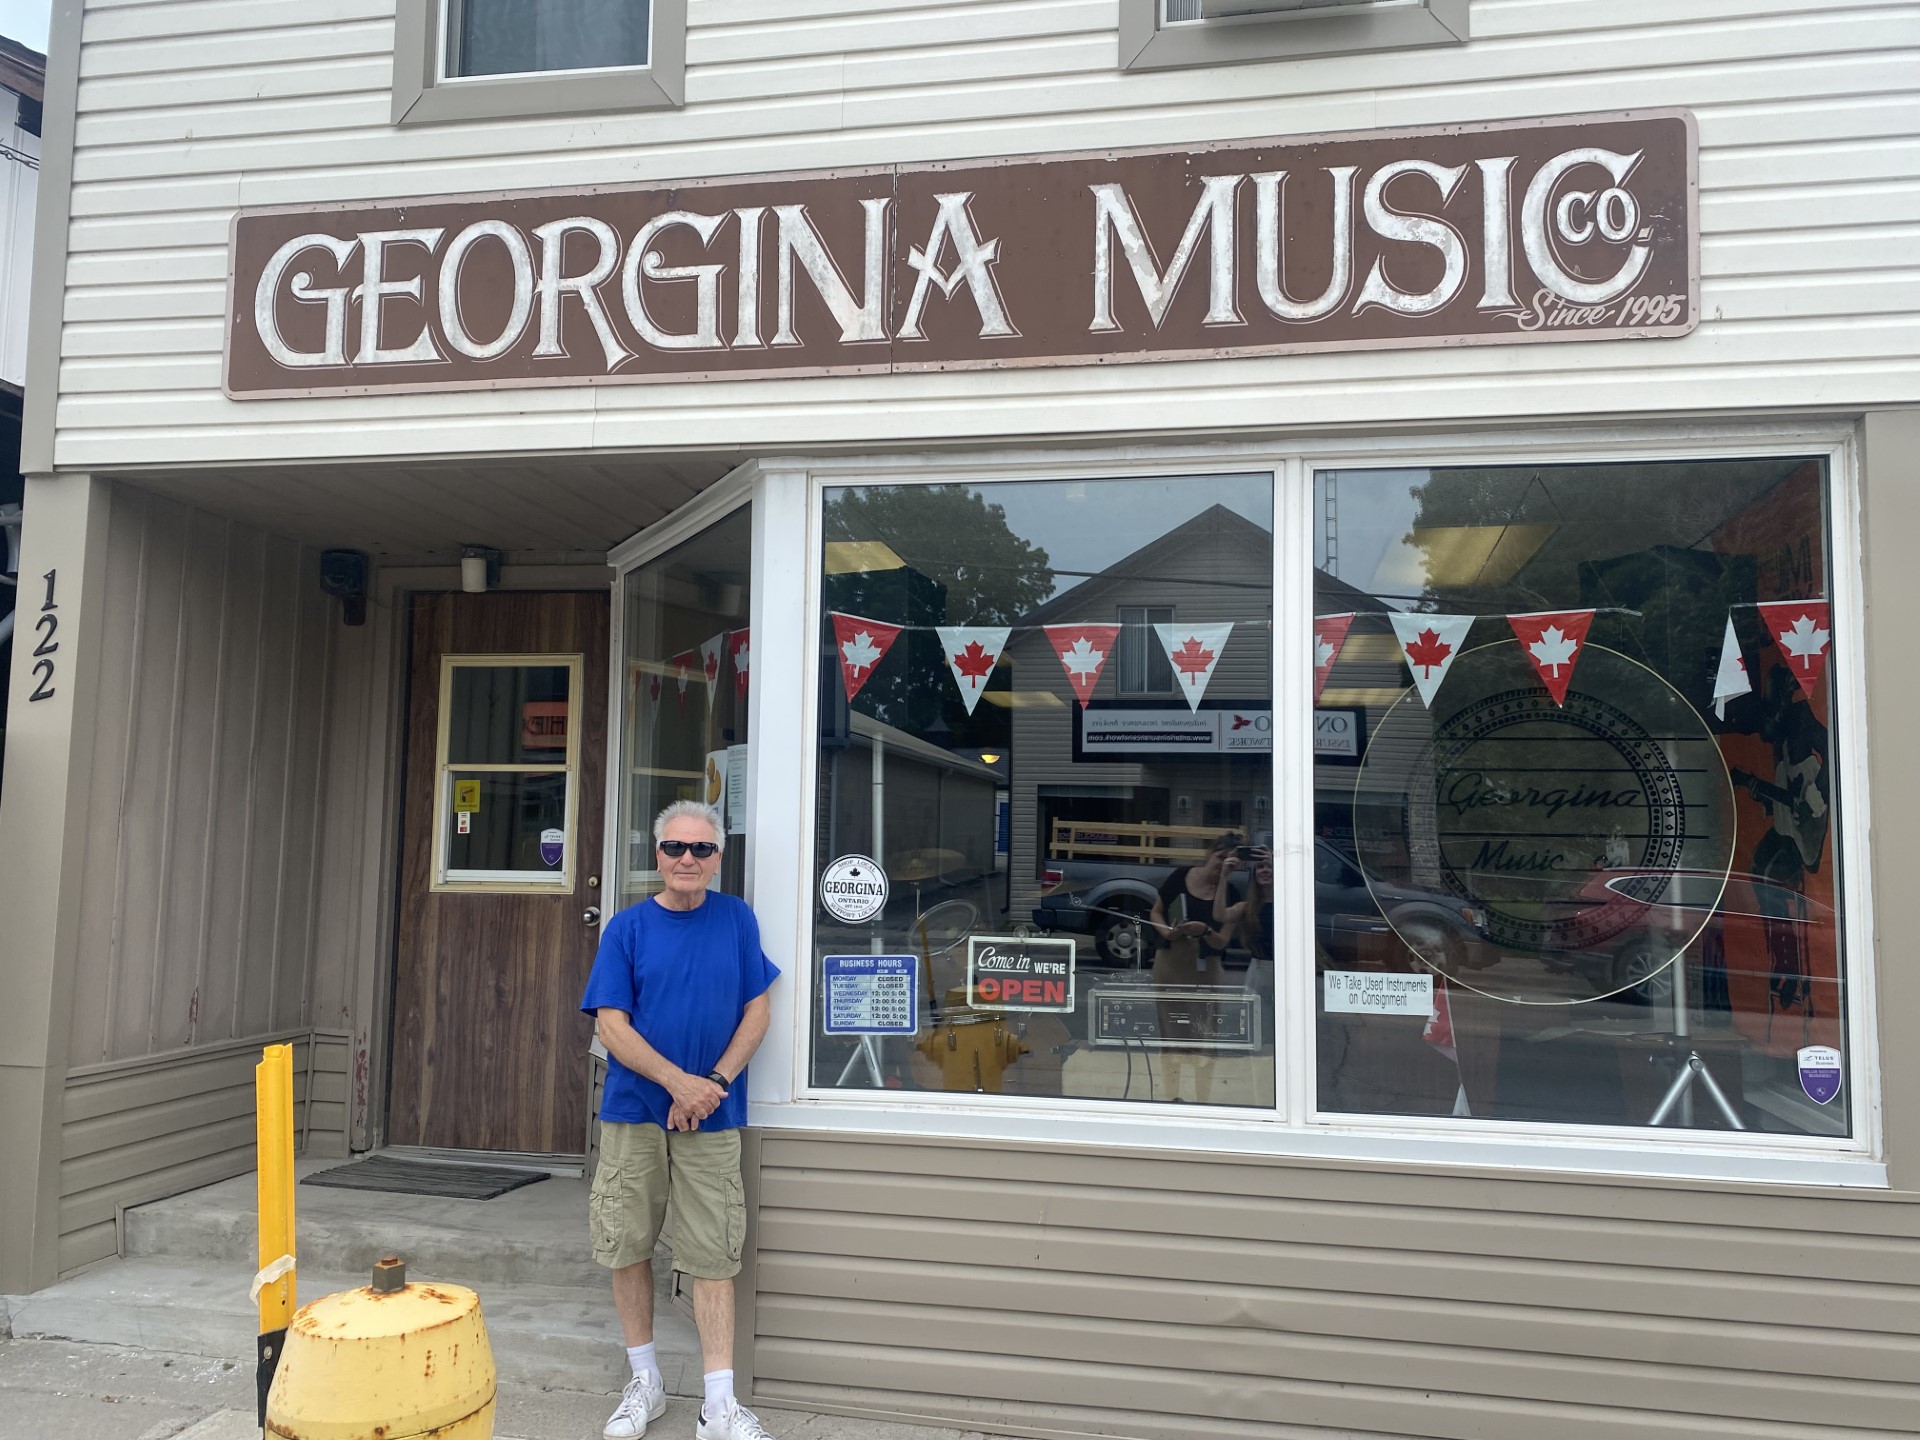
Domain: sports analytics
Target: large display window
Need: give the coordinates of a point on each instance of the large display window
(1044, 812)
(1472, 808)
(1576, 851)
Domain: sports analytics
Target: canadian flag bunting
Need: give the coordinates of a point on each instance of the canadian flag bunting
(1553, 641)
(1329, 634)
(862, 644)
(740, 645)
(1194, 651)
(1083, 652)
(710, 659)
(1732, 680)
(972, 651)
(653, 687)
(685, 666)
(1803, 629)
(1430, 643)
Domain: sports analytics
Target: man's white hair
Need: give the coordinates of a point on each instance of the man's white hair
(691, 810)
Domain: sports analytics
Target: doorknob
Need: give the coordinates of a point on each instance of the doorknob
(592, 917)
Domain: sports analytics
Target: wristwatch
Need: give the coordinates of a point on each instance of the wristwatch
(717, 1078)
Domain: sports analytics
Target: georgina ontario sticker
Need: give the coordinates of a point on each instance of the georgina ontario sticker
(854, 889)
(1820, 1073)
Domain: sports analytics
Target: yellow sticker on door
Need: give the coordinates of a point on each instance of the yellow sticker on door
(466, 797)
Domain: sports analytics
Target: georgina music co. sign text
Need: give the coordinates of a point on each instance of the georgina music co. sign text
(1567, 229)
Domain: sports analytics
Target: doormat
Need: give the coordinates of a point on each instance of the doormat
(397, 1176)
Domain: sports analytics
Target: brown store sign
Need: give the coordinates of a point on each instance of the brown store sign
(1569, 229)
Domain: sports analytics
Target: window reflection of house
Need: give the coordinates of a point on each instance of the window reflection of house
(1212, 569)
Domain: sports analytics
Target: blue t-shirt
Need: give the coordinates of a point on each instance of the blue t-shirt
(685, 977)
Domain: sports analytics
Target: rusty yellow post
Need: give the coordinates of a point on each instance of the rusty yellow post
(273, 1128)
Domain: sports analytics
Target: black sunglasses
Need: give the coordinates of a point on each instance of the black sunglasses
(702, 849)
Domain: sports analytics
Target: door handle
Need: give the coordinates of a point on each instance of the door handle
(592, 917)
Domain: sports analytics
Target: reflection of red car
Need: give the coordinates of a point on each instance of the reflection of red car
(1672, 914)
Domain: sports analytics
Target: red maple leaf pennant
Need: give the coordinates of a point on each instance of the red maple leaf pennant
(1430, 643)
(861, 645)
(1192, 658)
(1329, 634)
(1428, 650)
(1083, 652)
(740, 642)
(1553, 643)
(1803, 631)
(1193, 651)
(972, 652)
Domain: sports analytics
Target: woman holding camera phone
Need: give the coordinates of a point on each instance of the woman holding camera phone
(1189, 954)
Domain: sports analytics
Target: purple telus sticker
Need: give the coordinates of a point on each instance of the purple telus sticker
(1820, 1073)
(553, 844)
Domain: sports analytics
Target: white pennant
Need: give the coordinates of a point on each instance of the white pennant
(972, 651)
(1430, 643)
(1194, 651)
(1733, 681)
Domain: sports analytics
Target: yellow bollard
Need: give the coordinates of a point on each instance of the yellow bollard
(386, 1362)
(273, 1162)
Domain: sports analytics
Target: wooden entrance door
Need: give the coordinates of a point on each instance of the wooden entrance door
(500, 863)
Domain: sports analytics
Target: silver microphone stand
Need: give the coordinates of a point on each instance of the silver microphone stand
(1693, 1069)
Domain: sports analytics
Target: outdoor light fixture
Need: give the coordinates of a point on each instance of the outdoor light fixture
(479, 569)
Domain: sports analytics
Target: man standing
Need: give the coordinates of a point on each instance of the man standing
(679, 991)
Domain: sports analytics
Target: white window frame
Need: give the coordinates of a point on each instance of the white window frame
(1149, 43)
(424, 93)
(788, 498)
(504, 882)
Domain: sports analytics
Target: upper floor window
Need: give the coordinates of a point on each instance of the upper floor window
(512, 37)
(1170, 34)
(499, 59)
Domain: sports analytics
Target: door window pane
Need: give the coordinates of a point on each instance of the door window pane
(511, 37)
(1070, 911)
(517, 822)
(508, 715)
(1577, 861)
(688, 659)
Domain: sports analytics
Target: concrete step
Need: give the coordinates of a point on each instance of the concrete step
(536, 1235)
(563, 1337)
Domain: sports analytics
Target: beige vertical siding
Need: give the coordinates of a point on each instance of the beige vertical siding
(144, 1129)
(199, 892)
(1075, 1292)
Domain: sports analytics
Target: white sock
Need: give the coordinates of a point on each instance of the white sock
(719, 1393)
(640, 1357)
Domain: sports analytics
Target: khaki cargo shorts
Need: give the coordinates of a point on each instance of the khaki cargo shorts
(642, 1167)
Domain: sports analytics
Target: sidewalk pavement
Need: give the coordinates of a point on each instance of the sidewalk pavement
(68, 1390)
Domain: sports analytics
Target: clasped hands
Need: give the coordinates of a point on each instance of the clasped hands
(694, 1098)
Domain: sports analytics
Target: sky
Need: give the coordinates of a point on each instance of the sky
(25, 21)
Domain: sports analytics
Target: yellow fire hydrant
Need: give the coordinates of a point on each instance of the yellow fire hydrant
(385, 1362)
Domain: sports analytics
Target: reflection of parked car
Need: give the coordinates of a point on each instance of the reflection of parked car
(1349, 918)
(1667, 911)
(1105, 900)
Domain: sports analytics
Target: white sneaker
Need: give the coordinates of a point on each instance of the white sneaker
(739, 1423)
(644, 1399)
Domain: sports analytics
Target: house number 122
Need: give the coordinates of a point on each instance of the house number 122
(46, 625)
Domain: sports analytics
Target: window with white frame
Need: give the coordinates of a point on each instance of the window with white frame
(1115, 943)
(487, 59)
(1171, 34)
(1583, 865)
(508, 766)
(1572, 859)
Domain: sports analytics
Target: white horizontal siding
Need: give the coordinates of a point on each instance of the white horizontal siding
(1809, 117)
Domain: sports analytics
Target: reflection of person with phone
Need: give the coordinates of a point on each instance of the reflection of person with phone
(1191, 947)
(1249, 921)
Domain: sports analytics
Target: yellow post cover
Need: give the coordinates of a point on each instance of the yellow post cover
(361, 1365)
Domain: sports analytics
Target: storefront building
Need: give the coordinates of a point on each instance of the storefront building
(1297, 612)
